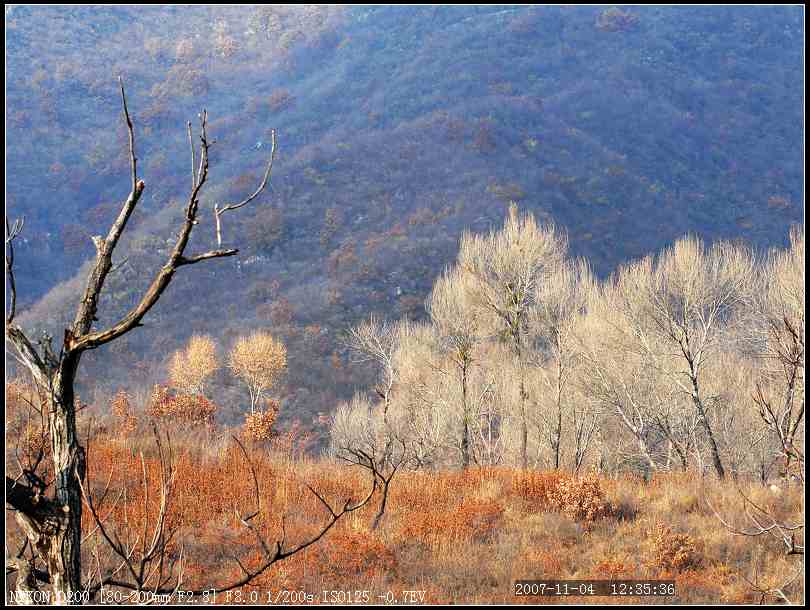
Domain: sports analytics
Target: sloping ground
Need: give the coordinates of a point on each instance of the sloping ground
(398, 129)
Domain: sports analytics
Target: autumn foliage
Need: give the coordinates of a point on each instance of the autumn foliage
(259, 425)
(258, 361)
(192, 366)
(673, 550)
(121, 408)
(166, 405)
(581, 498)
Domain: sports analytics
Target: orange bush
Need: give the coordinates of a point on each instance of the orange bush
(538, 488)
(294, 442)
(158, 401)
(581, 499)
(259, 425)
(544, 561)
(674, 551)
(122, 410)
(355, 554)
(611, 568)
(473, 519)
(120, 404)
(184, 408)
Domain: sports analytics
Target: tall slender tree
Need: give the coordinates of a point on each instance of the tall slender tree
(507, 267)
(458, 325)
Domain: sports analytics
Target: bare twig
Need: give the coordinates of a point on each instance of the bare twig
(11, 234)
(219, 211)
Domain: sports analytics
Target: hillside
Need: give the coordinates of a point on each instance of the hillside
(398, 129)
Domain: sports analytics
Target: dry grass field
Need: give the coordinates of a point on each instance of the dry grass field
(457, 536)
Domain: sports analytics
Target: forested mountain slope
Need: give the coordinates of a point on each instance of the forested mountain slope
(398, 128)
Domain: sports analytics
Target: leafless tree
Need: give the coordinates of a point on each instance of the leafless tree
(560, 305)
(507, 267)
(615, 377)
(458, 326)
(377, 342)
(763, 523)
(780, 319)
(679, 305)
(427, 401)
(492, 391)
(141, 560)
(53, 524)
(361, 437)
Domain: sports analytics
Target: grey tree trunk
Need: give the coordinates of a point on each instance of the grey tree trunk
(64, 555)
(465, 433)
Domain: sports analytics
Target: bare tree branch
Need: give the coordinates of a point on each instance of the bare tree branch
(11, 234)
(218, 212)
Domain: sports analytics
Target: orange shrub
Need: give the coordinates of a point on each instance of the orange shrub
(120, 404)
(294, 442)
(544, 561)
(355, 554)
(158, 401)
(183, 408)
(674, 551)
(611, 568)
(581, 499)
(259, 425)
(538, 488)
(121, 409)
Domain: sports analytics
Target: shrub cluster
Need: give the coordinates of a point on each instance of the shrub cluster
(582, 499)
(183, 408)
(121, 408)
(472, 520)
(674, 551)
(259, 425)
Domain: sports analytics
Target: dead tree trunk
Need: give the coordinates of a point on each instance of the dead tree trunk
(53, 526)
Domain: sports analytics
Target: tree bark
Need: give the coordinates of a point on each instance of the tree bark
(64, 555)
(718, 463)
(558, 439)
(524, 425)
